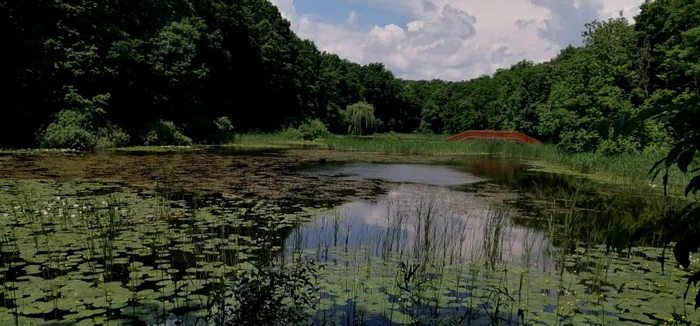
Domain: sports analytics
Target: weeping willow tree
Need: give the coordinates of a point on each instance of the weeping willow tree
(360, 118)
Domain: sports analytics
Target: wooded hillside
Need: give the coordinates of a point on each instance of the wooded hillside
(81, 73)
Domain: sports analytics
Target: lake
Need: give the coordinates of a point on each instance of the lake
(308, 236)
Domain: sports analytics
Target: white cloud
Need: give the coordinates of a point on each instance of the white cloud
(458, 39)
(286, 8)
(352, 19)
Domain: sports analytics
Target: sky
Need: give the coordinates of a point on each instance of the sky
(447, 39)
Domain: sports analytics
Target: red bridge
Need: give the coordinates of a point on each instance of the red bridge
(513, 136)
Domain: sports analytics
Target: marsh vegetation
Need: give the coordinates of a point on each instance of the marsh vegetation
(478, 241)
(201, 164)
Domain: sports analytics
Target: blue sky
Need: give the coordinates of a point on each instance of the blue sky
(336, 11)
(447, 39)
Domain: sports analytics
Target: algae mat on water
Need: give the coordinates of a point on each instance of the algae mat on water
(267, 175)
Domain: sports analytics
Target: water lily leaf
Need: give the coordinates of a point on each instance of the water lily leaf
(134, 283)
(76, 287)
(85, 322)
(158, 276)
(119, 322)
(146, 295)
(32, 269)
(44, 307)
(197, 298)
(118, 303)
(69, 304)
(28, 309)
(191, 287)
(75, 275)
(100, 320)
(166, 291)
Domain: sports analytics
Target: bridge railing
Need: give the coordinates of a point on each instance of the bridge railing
(514, 136)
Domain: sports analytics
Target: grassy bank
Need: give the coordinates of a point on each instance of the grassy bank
(625, 168)
(621, 169)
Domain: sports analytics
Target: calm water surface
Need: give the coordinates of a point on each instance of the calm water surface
(498, 214)
(425, 201)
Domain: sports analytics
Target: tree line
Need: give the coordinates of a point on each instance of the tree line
(92, 73)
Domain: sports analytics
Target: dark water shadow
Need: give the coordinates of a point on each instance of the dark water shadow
(598, 206)
(399, 173)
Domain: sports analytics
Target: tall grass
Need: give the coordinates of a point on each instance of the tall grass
(449, 263)
(290, 138)
(62, 254)
(429, 256)
(630, 168)
(430, 244)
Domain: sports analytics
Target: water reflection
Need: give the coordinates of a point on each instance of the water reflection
(462, 211)
(438, 225)
(598, 207)
(425, 221)
(407, 173)
(462, 203)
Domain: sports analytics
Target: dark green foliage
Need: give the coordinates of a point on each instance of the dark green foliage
(694, 281)
(223, 131)
(682, 116)
(112, 136)
(617, 240)
(70, 129)
(269, 294)
(205, 130)
(312, 130)
(189, 61)
(81, 126)
(360, 119)
(162, 133)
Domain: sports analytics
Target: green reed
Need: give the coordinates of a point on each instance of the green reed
(420, 256)
(434, 260)
(624, 168)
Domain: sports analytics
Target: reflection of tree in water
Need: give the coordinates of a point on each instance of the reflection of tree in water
(599, 210)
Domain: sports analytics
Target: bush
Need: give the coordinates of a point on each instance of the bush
(579, 141)
(291, 133)
(70, 129)
(314, 129)
(112, 136)
(163, 133)
(222, 131)
(615, 147)
(205, 130)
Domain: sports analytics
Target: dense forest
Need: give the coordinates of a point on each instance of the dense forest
(92, 73)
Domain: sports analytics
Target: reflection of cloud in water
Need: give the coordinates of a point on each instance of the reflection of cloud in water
(415, 220)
